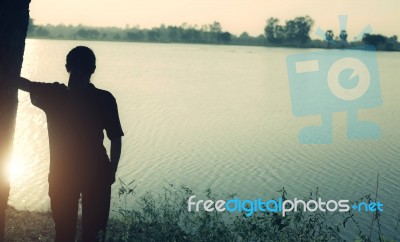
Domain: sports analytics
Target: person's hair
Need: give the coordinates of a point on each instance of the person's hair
(81, 58)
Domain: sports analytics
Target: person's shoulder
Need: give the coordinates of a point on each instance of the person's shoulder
(103, 94)
(57, 84)
(60, 86)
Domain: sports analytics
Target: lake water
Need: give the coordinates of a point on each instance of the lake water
(214, 117)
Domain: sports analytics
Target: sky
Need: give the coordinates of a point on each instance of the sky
(235, 16)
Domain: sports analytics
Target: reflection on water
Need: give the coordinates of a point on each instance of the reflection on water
(213, 116)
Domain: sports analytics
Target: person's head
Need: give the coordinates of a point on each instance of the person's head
(81, 59)
(81, 64)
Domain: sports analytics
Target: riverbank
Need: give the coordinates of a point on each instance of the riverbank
(23, 225)
(312, 44)
(164, 217)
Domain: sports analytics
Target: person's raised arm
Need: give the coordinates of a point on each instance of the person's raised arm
(115, 153)
(24, 84)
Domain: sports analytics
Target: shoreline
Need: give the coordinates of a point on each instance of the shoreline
(317, 45)
(25, 225)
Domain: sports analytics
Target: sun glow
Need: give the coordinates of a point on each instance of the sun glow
(16, 168)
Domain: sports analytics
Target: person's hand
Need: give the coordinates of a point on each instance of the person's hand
(112, 177)
(23, 84)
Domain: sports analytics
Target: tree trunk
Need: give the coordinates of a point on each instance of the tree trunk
(14, 19)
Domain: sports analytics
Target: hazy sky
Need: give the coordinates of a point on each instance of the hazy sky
(235, 16)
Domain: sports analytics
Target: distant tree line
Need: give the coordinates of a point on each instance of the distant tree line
(293, 33)
(296, 33)
(205, 34)
(382, 42)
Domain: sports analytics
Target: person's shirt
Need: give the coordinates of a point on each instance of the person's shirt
(75, 128)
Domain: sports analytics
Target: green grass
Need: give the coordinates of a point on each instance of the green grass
(164, 217)
(29, 226)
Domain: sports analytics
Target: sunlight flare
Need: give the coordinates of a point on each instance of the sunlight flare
(16, 168)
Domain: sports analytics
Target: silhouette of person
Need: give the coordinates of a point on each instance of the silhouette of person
(77, 115)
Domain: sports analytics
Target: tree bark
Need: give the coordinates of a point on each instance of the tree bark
(14, 19)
